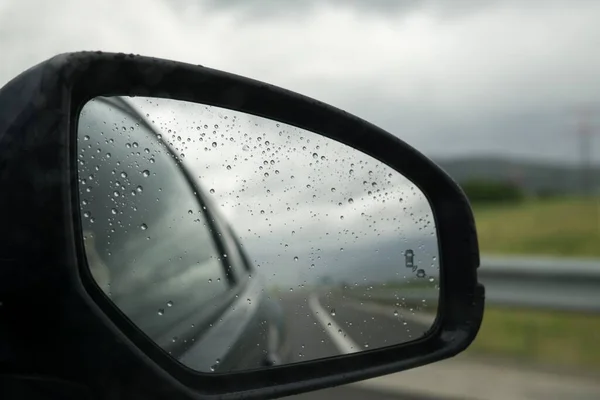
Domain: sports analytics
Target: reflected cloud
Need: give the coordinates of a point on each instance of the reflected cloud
(303, 205)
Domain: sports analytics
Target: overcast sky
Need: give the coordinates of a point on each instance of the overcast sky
(450, 78)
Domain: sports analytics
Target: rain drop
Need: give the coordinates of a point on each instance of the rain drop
(212, 191)
(146, 173)
(143, 227)
(214, 144)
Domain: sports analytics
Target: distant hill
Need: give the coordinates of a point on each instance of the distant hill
(532, 176)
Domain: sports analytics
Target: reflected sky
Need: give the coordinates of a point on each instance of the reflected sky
(306, 208)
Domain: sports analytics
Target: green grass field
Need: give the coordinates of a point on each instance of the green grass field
(568, 227)
(552, 338)
(557, 227)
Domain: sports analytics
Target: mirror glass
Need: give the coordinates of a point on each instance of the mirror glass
(235, 242)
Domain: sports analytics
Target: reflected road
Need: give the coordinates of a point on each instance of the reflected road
(327, 325)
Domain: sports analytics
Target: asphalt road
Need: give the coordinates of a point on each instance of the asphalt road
(321, 325)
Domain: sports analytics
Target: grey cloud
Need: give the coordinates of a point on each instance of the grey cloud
(451, 78)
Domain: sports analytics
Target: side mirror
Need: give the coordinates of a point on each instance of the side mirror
(185, 233)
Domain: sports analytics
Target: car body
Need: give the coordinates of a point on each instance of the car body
(193, 290)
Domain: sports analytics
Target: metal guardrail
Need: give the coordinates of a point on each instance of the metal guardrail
(537, 282)
(552, 283)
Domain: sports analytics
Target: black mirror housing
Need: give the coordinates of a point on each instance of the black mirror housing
(60, 324)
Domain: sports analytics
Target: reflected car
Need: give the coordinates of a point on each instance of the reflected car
(160, 249)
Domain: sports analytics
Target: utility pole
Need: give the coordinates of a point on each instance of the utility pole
(585, 131)
(584, 135)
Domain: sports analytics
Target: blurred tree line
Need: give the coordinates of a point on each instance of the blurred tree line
(480, 191)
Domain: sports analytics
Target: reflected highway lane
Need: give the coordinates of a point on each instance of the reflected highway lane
(326, 325)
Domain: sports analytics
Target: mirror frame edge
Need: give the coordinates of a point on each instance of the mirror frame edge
(87, 75)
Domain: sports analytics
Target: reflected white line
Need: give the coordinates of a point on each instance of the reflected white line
(340, 339)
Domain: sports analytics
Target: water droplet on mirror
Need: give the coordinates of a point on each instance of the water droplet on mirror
(246, 147)
(139, 189)
(332, 311)
(145, 173)
(116, 193)
(86, 137)
(114, 211)
(431, 279)
(229, 167)
(212, 191)
(296, 258)
(315, 155)
(333, 189)
(350, 200)
(123, 174)
(87, 214)
(169, 303)
(395, 313)
(214, 144)
(161, 311)
(143, 227)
